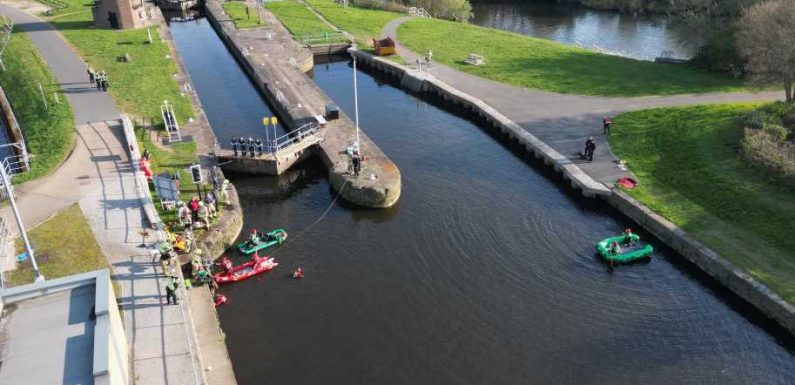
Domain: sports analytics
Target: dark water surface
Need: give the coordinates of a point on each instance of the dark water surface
(483, 274)
(637, 36)
(232, 104)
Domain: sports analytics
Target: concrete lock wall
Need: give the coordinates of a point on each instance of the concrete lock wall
(704, 258)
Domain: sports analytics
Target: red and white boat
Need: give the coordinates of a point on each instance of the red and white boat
(246, 270)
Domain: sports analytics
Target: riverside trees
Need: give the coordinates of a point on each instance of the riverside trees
(766, 40)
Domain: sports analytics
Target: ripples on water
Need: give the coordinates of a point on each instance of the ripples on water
(484, 273)
(637, 36)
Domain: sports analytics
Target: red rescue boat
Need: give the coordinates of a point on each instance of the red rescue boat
(246, 270)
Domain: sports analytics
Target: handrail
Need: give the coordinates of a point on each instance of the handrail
(293, 137)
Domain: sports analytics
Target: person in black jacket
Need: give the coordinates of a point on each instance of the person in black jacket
(590, 146)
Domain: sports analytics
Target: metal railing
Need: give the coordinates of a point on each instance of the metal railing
(419, 12)
(293, 137)
(6, 253)
(170, 122)
(325, 38)
(18, 161)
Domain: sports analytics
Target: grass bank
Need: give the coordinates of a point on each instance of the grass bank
(138, 86)
(298, 18)
(363, 24)
(64, 245)
(48, 131)
(536, 63)
(242, 15)
(690, 171)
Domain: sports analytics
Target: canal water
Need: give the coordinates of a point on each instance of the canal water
(235, 108)
(484, 273)
(637, 36)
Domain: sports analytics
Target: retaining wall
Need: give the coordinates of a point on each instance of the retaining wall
(706, 259)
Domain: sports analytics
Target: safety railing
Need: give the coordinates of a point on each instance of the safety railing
(17, 160)
(293, 137)
(325, 38)
(170, 122)
(418, 12)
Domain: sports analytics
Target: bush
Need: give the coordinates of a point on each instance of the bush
(777, 132)
(382, 5)
(770, 154)
(719, 54)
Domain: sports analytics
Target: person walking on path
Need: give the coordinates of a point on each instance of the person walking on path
(590, 146)
(91, 74)
(171, 289)
(606, 123)
(357, 163)
(98, 80)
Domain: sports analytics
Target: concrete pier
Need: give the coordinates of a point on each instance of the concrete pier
(277, 64)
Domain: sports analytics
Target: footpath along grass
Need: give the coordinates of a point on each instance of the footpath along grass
(48, 132)
(298, 18)
(690, 172)
(364, 24)
(138, 86)
(536, 63)
(242, 15)
(64, 245)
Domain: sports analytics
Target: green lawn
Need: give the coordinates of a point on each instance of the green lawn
(48, 132)
(298, 19)
(62, 7)
(690, 171)
(364, 24)
(63, 245)
(138, 86)
(536, 63)
(243, 15)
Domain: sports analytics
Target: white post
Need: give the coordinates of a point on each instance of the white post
(356, 105)
(22, 231)
(43, 97)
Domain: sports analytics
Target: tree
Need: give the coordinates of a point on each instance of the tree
(766, 41)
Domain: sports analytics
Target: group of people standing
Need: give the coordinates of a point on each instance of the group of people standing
(249, 146)
(99, 78)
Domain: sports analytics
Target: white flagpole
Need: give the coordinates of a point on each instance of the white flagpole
(356, 105)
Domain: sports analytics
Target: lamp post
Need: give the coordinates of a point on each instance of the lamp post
(10, 191)
(356, 104)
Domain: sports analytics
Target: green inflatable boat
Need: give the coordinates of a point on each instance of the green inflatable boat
(628, 252)
(264, 241)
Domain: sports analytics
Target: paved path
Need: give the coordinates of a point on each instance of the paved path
(98, 176)
(563, 121)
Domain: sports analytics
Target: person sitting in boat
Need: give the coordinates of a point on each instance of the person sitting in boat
(628, 237)
(615, 248)
(253, 238)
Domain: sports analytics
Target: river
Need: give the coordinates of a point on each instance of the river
(637, 36)
(484, 273)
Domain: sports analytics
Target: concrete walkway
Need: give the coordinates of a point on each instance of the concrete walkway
(99, 176)
(563, 121)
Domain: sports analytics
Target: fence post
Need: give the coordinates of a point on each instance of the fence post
(43, 97)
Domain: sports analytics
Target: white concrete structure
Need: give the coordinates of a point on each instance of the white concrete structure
(63, 331)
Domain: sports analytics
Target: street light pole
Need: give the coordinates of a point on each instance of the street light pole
(356, 104)
(10, 191)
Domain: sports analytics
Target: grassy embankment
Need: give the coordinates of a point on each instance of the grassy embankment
(690, 172)
(298, 19)
(363, 24)
(64, 245)
(139, 86)
(242, 15)
(536, 63)
(48, 132)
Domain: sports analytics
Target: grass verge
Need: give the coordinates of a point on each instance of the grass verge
(48, 131)
(690, 172)
(536, 63)
(64, 245)
(364, 24)
(298, 18)
(242, 15)
(138, 86)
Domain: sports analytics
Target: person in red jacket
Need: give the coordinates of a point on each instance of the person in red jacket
(194, 208)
